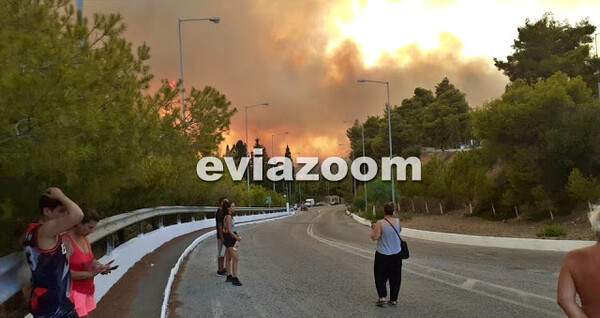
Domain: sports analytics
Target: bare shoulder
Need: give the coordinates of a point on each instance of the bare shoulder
(577, 256)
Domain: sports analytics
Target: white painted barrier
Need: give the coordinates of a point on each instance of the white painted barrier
(488, 241)
(130, 252)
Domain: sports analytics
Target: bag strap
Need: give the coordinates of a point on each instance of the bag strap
(394, 229)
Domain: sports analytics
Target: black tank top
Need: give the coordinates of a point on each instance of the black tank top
(50, 276)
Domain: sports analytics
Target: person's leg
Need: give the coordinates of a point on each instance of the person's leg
(227, 261)
(380, 280)
(220, 258)
(234, 260)
(395, 280)
(234, 267)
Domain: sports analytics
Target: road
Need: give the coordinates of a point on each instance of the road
(320, 264)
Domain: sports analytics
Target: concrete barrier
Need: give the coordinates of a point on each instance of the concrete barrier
(488, 241)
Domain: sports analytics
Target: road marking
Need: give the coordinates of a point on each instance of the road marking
(468, 284)
(465, 283)
(217, 308)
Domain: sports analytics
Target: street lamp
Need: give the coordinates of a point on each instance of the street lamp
(387, 84)
(213, 20)
(248, 147)
(273, 148)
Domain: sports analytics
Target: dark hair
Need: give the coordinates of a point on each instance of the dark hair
(389, 208)
(221, 199)
(47, 202)
(226, 206)
(90, 215)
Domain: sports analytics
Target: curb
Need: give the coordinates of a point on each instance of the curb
(488, 241)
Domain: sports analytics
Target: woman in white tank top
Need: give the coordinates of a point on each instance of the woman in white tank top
(388, 263)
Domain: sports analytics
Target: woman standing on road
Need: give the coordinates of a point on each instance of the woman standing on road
(84, 267)
(388, 262)
(231, 238)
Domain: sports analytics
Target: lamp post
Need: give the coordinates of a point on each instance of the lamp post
(387, 84)
(248, 148)
(213, 20)
(273, 148)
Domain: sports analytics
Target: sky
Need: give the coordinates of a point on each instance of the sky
(304, 57)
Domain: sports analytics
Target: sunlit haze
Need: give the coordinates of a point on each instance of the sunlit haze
(304, 57)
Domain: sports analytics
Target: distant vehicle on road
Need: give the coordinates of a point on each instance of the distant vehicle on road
(310, 202)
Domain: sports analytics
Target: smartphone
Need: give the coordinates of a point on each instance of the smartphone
(110, 269)
(236, 245)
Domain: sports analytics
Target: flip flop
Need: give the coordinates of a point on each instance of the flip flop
(381, 302)
(392, 303)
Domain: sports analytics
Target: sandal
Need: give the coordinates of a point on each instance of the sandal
(381, 302)
(392, 303)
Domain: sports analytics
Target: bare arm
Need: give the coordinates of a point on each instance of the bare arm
(72, 217)
(566, 292)
(77, 275)
(376, 231)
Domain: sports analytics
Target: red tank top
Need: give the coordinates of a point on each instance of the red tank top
(82, 262)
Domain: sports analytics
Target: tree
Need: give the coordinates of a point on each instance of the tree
(237, 151)
(209, 118)
(434, 181)
(464, 174)
(289, 185)
(547, 46)
(371, 129)
(584, 188)
(76, 114)
(543, 200)
(446, 121)
(266, 183)
(540, 133)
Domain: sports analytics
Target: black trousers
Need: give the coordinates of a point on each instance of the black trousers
(388, 268)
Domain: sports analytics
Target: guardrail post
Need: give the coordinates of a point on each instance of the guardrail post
(193, 218)
(110, 244)
(178, 218)
(161, 221)
(140, 229)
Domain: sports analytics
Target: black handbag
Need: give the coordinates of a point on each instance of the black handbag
(404, 254)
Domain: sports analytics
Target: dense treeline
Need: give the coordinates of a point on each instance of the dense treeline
(539, 154)
(77, 114)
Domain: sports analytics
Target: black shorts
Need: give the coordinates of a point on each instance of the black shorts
(229, 240)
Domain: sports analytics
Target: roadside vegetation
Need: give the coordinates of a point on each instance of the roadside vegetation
(531, 154)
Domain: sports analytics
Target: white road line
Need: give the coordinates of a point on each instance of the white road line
(217, 308)
(468, 284)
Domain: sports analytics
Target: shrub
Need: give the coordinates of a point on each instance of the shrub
(405, 216)
(551, 230)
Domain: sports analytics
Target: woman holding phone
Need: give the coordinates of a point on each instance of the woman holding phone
(231, 242)
(84, 267)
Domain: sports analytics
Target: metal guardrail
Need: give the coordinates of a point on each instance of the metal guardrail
(14, 269)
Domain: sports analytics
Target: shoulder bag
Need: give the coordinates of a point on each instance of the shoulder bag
(403, 246)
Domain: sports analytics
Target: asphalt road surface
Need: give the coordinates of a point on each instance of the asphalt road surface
(320, 264)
